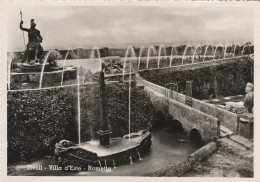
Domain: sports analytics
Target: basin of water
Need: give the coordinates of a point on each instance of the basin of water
(167, 148)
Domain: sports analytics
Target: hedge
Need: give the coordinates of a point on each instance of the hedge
(230, 78)
(39, 119)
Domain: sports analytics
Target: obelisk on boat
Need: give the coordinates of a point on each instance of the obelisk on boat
(104, 132)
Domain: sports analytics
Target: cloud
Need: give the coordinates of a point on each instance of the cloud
(91, 33)
(69, 26)
(59, 13)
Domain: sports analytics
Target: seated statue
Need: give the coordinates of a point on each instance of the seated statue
(249, 98)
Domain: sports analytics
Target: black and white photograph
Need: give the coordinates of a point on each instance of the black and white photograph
(133, 91)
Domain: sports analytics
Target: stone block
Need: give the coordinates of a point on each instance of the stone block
(243, 141)
(223, 134)
(233, 174)
(230, 144)
(179, 169)
(246, 127)
(203, 152)
(225, 130)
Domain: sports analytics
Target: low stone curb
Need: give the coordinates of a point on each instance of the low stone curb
(182, 167)
(242, 141)
(235, 148)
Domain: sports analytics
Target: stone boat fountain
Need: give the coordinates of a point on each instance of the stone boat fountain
(105, 152)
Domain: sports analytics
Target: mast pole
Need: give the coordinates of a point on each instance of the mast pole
(23, 31)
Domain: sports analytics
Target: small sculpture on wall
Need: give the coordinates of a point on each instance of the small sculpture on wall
(249, 97)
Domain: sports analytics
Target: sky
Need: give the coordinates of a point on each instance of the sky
(69, 27)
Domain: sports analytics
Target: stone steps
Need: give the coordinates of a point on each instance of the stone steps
(235, 147)
(242, 141)
(225, 132)
(239, 146)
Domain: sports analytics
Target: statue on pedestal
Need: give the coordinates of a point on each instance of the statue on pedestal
(249, 98)
(34, 50)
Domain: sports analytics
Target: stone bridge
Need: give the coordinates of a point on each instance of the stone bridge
(199, 117)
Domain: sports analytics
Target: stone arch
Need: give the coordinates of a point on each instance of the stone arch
(177, 126)
(195, 135)
(158, 120)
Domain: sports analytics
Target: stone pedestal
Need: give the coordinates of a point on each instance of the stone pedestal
(246, 127)
(188, 98)
(104, 137)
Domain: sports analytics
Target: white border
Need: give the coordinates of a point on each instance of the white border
(5, 4)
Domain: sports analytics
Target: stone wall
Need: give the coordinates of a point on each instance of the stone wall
(227, 119)
(207, 125)
(190, 118)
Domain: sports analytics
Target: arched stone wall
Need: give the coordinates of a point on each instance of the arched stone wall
(195, 135)
(158, 120)
(188, 117)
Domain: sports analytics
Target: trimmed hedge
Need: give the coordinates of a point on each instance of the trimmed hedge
(39, 119)
(229, 79)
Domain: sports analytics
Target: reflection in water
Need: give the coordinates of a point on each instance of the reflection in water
(167, 148)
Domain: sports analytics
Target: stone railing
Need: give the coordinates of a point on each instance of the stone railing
(226, 118)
